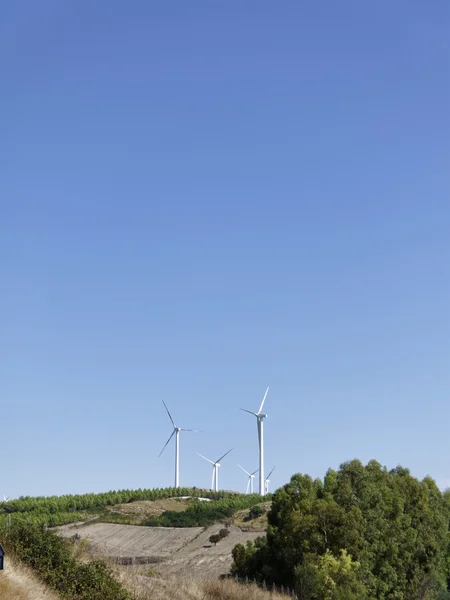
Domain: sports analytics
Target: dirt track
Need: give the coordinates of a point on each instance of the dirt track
(175, 550)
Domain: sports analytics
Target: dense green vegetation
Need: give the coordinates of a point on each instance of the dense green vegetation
(83, 502)
(52, 559)
(202, 514)
(363, 533)
(59, 510)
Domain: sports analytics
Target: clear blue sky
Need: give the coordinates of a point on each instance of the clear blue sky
(200, 199)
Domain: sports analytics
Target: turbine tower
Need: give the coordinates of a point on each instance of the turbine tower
(176, 433)
(215, 472)
(251, 476)
(260, 416)
(267, 481)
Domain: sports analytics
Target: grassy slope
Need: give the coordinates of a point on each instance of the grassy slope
(18, 582)
(187, 587)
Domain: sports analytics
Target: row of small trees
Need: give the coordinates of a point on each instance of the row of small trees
(82, 502)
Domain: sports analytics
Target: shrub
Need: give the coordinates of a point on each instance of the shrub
(50, 556)
(257, 511)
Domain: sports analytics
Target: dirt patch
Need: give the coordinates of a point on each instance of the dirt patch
(201, 558)
(165, 550)
(131, 543)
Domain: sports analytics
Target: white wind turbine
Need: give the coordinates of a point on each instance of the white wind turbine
(260, 416)
(251, 476)
(176, 433)
(267, 481)
(215, 472)
(5, 498)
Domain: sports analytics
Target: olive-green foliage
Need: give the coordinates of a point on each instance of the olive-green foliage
(392, 527)
(214, 539)
(51, 557)
(257, 511)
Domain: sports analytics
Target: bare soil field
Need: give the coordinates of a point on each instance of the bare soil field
(142, 544)
(174, 550)
(200, 557)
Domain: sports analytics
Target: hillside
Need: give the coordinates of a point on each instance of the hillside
(156, 541)
(172, 550)
(18, 582)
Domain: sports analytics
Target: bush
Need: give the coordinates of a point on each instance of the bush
(223, 533)
(214, 538)
(257, 511)
(50, 556)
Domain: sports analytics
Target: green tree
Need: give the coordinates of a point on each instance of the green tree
(394, 528)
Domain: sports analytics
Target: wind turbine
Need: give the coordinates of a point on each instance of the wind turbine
(260, 416)
(267, 481)
(215, 472)
(176, 433)
(5, 498)
(251, 476)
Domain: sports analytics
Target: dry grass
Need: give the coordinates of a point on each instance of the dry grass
(17, 582)
(242, 519)
(187, 587)
(150, 508)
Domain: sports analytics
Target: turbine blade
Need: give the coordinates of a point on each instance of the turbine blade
(171, 436)
(195, 430)
(270, 473)
(210, 461)
(219, 459)
(264, 399)
(244, 470)
(253, 474)
(170, 416)
(248, 485)
(249, 411)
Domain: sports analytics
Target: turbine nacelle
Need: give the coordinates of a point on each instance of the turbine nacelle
(215, 472)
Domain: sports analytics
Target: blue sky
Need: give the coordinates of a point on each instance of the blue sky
(200, 199)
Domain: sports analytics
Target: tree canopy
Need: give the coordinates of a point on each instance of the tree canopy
(362, 532)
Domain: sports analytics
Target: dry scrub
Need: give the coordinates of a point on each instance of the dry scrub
(242, 519)
(17, 582)
(144, 587)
